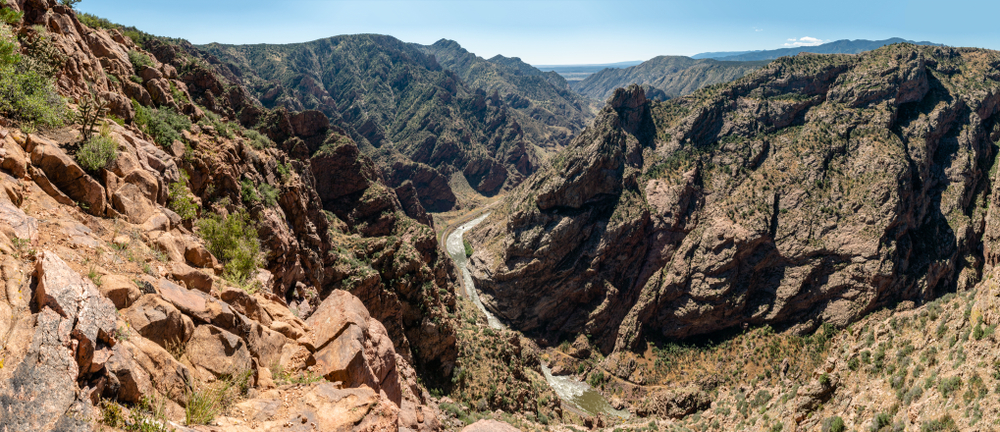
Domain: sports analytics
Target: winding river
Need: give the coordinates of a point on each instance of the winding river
(577, 394)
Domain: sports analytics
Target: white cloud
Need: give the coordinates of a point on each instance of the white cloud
(756, 29)
(805, 41)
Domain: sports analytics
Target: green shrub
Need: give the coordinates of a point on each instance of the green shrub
(880, 421)
(233, 240)
(834, 424)
(27, 93)
(258, 140)
(10, 16)
(468, 248)
(205, 404)
(249, 192)
(949, 385)
(180, 199)
(97, 153)
(269, 194)
(69, 3)
(164, 124)
(285, 171)
(945, 423)
(139, 60)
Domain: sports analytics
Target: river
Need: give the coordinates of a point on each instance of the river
(578, 394)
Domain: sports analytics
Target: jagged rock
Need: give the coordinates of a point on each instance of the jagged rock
(219, 352)
(165, 373)
(159, 321)
(408, 198)
(246, 304)
(130, 201)
(43, 387)
(352, 347)
(65, 174)
(90, 315)
(128, 382)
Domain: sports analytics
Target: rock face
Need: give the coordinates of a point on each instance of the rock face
(403, 99)
(352, 347)
(814, 190)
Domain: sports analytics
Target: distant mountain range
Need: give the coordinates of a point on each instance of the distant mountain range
(843, 46)
(672, 76)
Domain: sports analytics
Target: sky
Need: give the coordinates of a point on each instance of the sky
(553, 32)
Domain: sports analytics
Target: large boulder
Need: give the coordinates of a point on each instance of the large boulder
(159, 321)
(67, 175)
(218, 352)
(352, 347)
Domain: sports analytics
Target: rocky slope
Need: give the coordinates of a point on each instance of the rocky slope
(125, 302)
(814, 190)
(543, 96)
(669, 76)
(403, 107)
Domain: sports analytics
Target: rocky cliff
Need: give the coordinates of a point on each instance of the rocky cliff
(814, 190)
(197, 263)
(402, 107)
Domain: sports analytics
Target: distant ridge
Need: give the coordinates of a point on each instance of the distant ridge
(844, 46)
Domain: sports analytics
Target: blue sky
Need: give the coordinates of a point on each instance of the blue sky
(565, 32)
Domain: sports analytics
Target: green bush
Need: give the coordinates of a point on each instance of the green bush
(468, 248)
(249, 192)
(269, 194)
(10, 16)
(258, 140)
(945, 423)
(285, 171)
(834, 424)
(233, 240)
(949, 385)
(181, 201)
(139, 60)
(27, 94)
(97, 153)
(880, 421)
(164, 124)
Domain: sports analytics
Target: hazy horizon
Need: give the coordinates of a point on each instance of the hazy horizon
(559, 32)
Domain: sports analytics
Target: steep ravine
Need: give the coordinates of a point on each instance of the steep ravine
(578, 394)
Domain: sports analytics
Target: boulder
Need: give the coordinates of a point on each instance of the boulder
(218, 352)
(67, 175)
(159, 321)
(121, 290)
(130, 201)
(166, 374)
(352, 347)
(192, 278)
(199, 256)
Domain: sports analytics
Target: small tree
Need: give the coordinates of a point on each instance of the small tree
(69, 3)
